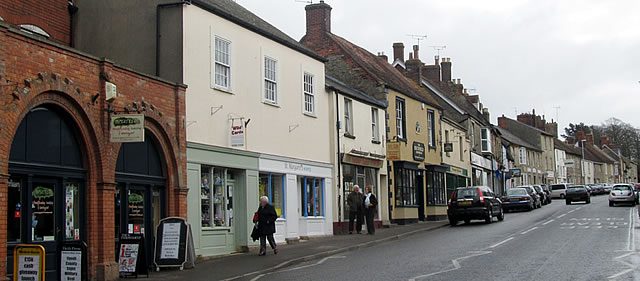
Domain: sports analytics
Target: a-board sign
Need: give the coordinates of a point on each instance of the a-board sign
(171, 243)
(72, 261)
(132, 258)
(28, 263)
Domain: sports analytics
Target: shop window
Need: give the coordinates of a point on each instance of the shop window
(405, 187)
(216, 197)
(272, 186)
(14, 209)
(436, 191)
(43, 210)
(312, 199)
(361, 176)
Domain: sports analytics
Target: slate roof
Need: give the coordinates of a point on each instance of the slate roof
(234, 12)
(566, 147)
(383, 72)
(356, 94)
(449, 108)
(516, 140)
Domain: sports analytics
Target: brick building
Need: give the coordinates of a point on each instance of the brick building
(55, 139)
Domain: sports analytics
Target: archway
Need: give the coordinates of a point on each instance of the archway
(47, 182)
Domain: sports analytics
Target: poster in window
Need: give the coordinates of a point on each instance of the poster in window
(43, 208)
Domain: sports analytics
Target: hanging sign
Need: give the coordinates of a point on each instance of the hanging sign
(171, 243)
(418, 151)
(393, 151)
(72, 261)
(28, 263)
(127, 128)
(237, 134)
(448, 147)
(131, 255)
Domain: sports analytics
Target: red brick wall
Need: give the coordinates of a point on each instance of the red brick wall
(34, 72)
(50, 15)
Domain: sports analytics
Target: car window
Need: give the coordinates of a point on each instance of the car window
(621, 187)
(516, 192)
(576, 189)
(467, 193)
(557, 187)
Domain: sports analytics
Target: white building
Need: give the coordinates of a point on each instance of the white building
(561, 169)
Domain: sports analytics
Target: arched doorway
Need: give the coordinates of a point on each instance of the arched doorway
(46, 188)
(140, 195)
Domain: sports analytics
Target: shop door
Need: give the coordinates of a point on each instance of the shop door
(420, 194)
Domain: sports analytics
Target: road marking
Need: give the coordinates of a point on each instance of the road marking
(630, 238)
(560, 216)
(257, 277)
(529, 230)
(299, 267)
(569, 212)
(620, 274)
(548, 222)
(500, 243)
(455, 262)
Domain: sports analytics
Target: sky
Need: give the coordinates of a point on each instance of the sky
(571, 60)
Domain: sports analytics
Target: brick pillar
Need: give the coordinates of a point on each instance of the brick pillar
(4, 178)
(102, 242)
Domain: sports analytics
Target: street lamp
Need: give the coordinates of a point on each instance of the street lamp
(584, 177)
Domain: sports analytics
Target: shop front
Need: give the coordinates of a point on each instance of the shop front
(407, 179)
(436, 192)
(456, 177)
(481, 170)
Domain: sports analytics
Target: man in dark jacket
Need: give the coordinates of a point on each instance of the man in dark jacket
(355, 201)
(266, 225)
(370, 208)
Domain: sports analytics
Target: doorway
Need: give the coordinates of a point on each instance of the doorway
(420, 195)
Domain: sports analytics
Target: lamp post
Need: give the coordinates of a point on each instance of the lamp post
(584, 177)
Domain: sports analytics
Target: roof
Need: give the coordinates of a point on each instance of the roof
(237, 14)
(516, 140)
(383, 72)
(558, 144)
(449, 108)
(342, 87)
(601, 154)
(532, 127)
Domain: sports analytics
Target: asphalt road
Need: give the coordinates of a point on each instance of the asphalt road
(557, 242)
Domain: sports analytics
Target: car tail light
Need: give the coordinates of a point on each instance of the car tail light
(451, 198)
(481, 197)
(524, 198)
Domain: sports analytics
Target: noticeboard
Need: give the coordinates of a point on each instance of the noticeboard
(28, 262)
(132, 258)
(127, 128)
(171, 243)
(72, 261)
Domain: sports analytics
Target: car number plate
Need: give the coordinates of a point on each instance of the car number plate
(514, 199)
(465, 203)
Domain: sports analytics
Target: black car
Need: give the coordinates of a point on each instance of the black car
(537, 200)
(547, 191)
(474, 203)
(544, 198)
(517, 198)
(577, 193)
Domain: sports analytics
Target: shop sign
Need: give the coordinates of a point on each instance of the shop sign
(458, 171)
(393, 151)
(448, 147)
(297, 167)
(237, 135)
(28, 262)
(127, 128)
(516, 172)
(480, 161)
(418, 151)
(362, 161)
(131, 255)
(550, 174)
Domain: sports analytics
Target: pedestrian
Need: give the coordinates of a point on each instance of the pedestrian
(370, 207)
(355, 201)
(266, 219)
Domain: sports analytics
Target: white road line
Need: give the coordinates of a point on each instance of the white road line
(630, 247)
(456, 265)
(569, 212)
(299, 267)
(548, 222)
(500, 243)
(560, 216)
(257, 277)
(529, 230)
(620, 274)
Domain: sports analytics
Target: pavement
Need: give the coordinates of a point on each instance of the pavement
(248, 265)
(557, 242)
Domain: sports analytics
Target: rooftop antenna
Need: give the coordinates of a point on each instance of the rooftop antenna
(418, 38)
(438, 49)
(304, 1)
(557, 108)
(515, 110)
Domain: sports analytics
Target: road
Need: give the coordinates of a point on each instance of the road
(557, 242)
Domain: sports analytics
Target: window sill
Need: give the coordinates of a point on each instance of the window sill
(224, 90)
(375, 142)
(350, 136)
(220, 228)
(309, 114)
(402, 140)
(271, 103)
(408, 206)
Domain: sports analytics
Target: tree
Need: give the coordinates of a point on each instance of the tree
(570, 132)
(621, 134)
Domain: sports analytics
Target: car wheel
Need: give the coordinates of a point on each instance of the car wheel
(501, 215)
(531, 207)
(568, 202)
(467, 221)
(589, 201)
(489, 218)
(561, 196)
(610, 204)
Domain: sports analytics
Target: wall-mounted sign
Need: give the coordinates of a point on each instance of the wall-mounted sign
(418, 151)
(28, 262)
(448, 147)
(127, 128)
(393, 151)
(456, 170)
(516, 173)
(362, 161)
(237, 134)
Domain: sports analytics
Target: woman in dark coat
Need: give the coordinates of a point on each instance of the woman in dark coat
(266, 225)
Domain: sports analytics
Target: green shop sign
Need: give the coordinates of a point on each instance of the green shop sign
(127, 128)
(42, 192)
(135, 198)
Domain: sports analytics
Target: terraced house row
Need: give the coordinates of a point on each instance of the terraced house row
(234, 109)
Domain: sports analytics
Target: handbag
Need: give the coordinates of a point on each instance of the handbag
(255, 235)
(255, 217)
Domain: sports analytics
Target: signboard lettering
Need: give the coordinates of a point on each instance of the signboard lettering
(131, 255)
(418, 151)
(393, 151)
(28, 263)
(170, 241)
(237, 135)
(72, 261)
(448, 147)
(127, 128)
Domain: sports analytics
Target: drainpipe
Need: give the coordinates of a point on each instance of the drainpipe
(158, 8)
(338, 157)
(72, 11)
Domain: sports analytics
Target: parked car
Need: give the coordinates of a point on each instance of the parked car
(594, 189)
(622, 193)
(577, 193)
(517, 198)
(559, 190)
(607, 187)
(474, 203)
(636, 191)
(547, 190)
(588, 188)
(543, 195)
(537, 200)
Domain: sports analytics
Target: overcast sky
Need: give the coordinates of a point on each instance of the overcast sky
(582, 56)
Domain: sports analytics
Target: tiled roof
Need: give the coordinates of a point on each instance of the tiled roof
(234, 12)
(449, 108)
(558, 144)
(383, 72)
(516, 140)
(347, 90)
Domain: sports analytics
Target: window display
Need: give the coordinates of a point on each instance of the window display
(14, 210)
(216, 194)
(363, 177)
(72, 211)
(312, 191)
(43, 208)
(272, 186)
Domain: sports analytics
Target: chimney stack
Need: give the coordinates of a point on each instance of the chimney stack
(410, 56)
(502, 122)
(383, 56)
(446, 69)
(398, 52)
(485, 113)
(318, 19)
(416, 51)
(580, 136)
(589, 139)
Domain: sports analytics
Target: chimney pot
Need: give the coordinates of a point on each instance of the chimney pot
(410, 56)
(398, 51)
(446, 69)
(458, 81)
(416, 50)
(437, 59)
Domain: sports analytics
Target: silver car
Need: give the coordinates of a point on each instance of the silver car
(622, 193)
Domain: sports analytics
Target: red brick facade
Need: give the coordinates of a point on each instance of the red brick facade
(52, 16)
(35, 72)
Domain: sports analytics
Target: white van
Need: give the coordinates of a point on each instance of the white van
(559, 190)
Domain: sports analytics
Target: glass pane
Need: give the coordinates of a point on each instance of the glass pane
(135, 223)
(72, 211)
(116, 208)
(205, 196)
(318, 197)
(156, 205)
(14, 210)
(218, 198)
(43, 207)
(310, 203)
(276, 190)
